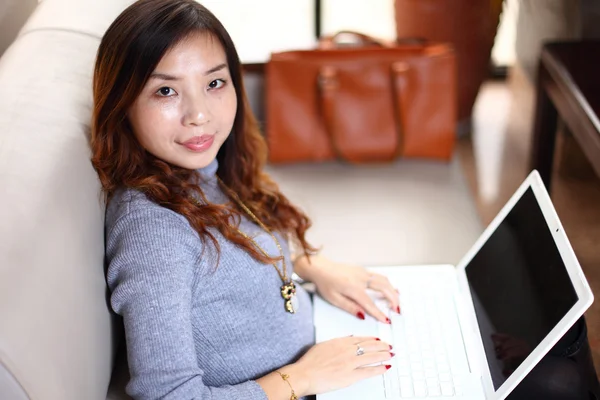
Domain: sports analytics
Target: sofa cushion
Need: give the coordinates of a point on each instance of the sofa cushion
(56, 334)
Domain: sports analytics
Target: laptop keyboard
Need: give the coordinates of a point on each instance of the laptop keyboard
(430, 356)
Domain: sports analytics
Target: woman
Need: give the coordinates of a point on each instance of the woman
(197, 235)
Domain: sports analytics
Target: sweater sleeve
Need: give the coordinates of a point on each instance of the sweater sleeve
(151, 253)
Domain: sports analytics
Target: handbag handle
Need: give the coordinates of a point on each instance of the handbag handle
(328, 88)
(333, 41)
(400, 81)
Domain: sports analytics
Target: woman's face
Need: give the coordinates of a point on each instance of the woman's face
(187, 108)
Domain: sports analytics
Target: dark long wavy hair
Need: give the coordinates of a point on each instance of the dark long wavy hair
(129, 52)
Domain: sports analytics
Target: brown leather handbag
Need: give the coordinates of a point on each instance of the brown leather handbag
(368, 103)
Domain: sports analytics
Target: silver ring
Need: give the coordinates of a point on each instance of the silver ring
(359, 350)
(369, 281)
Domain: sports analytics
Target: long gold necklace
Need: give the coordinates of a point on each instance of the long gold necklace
(288, 289)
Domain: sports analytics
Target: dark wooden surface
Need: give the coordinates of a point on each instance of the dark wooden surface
(254, 68)
(568, 88)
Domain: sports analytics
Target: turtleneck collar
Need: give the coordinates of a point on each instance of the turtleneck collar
(209, 172)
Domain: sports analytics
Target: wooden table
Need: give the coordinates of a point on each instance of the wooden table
(568, 87)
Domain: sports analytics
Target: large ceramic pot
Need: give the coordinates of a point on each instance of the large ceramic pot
(469, 25)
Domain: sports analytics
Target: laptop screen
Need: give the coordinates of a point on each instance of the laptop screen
(520, 287)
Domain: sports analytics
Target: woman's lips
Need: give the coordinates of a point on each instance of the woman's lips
(199, 143)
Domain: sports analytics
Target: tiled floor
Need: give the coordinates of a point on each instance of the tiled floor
(404, 213)
(495, 161)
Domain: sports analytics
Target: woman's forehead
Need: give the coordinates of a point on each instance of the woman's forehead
(197, 53)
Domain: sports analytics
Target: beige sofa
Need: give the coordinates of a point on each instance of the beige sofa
(58, 338)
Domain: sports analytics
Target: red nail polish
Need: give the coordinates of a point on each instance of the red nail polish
(388, 366)
(398, 309)
(379, 340)
(392, 354)
(391, 347)
(388, 321)
(360, 315)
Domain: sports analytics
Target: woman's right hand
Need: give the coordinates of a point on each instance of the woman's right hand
(334, 364)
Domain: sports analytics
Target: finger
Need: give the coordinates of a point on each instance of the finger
(371, 346)
(368, 372)
(372, 358)
(355, 340)
(348, 305)
(383, 285)
(364, 301)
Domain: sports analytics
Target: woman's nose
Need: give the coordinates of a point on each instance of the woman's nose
(196, 113)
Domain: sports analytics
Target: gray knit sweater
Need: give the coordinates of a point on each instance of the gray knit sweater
(195, 330)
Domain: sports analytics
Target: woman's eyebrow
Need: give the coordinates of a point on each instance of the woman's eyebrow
(215, 69)
(166, 77)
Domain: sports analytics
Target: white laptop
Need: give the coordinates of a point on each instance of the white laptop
(519, 287)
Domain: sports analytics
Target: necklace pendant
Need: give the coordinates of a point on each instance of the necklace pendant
(288, 292)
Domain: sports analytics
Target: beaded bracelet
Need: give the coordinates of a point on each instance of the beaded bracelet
(285, 377)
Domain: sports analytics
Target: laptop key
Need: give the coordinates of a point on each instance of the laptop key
(395, 385)
(387, 383)
(434, 391)
(431, 373)
(416, 366)
(432, 382)
(447, 389)
(403, 371)
(428, 354)
(443, 367)
(408, 393)
(420, 389)
(445, 377)
(403, 366)
(418, 375)
(406, 387)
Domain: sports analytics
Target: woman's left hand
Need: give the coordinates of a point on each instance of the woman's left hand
(345, 286)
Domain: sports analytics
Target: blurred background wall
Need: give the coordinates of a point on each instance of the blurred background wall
(13, 14)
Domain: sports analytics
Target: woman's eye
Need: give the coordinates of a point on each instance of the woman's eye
(216, 84)
(165, 91)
